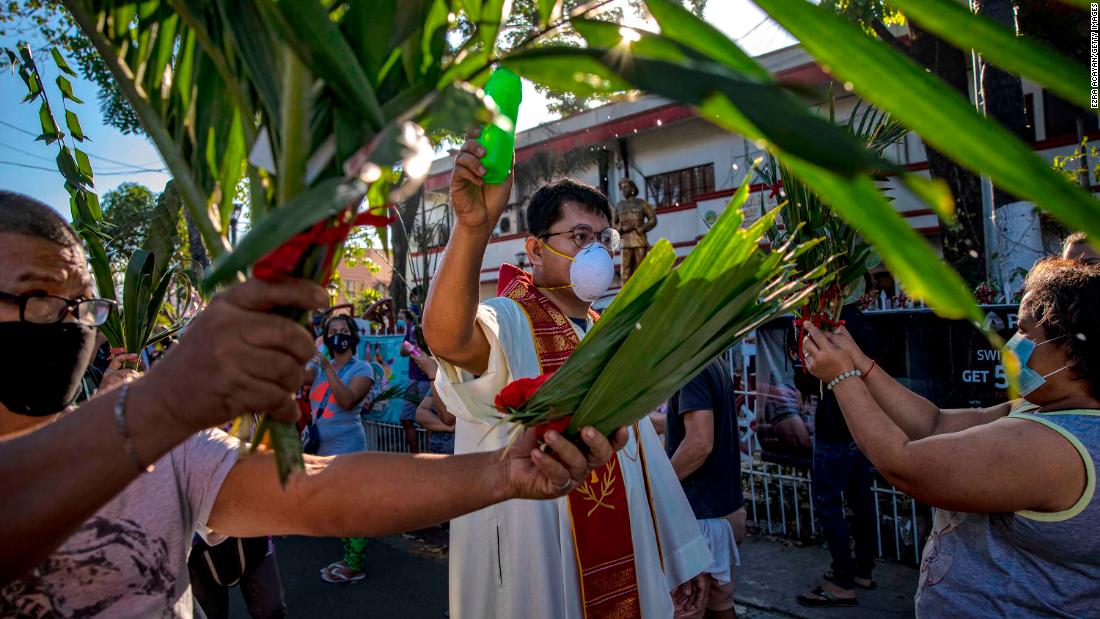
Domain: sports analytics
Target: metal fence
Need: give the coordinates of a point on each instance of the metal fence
(390, 437)
(777, 497)
(778, 500)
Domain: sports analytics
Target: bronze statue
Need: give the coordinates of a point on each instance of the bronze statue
(633, 218)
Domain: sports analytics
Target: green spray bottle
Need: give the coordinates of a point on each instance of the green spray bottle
(505, 88)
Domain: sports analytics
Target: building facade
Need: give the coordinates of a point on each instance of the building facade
(689, 168)
(358, 281)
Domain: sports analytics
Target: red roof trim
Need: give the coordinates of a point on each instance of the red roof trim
(601, 132)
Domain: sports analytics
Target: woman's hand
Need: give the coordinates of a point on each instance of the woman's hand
(842, 339)
(117, 375)
(824, 359)
(427, 365)
(531, 474)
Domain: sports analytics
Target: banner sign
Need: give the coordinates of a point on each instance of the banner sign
(383, 352)
(947, 361)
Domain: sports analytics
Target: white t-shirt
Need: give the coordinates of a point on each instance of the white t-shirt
(130, 558)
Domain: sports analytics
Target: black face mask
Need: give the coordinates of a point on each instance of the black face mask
(41, 366)
(338, 343)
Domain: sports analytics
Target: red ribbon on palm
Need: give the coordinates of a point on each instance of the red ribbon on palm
(518, 392)
(818, 317)
(289, 259)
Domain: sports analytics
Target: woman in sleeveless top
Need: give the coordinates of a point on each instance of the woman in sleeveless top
(1015, 529)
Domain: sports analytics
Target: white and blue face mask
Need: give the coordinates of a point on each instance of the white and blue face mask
(1028, 379)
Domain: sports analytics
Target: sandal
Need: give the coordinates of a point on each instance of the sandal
(341, 574)
(820, 598)
(829, 577)
(332, 566)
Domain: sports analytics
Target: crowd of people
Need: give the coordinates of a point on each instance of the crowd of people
(134, 501)
(102, 500)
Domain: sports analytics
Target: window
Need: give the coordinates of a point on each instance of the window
(1061, 117)
(679, 186)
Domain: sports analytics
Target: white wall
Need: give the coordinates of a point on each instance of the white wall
(692, 142)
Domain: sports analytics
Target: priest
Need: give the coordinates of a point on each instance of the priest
(625, 542)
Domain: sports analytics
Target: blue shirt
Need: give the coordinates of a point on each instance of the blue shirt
(341, 428)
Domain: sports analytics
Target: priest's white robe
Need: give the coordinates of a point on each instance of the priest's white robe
(516, 559)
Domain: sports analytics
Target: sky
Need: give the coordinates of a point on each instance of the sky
(117, 158)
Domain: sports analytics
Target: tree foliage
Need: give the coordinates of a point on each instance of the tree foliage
(524, 22)
(126, 210)
(49, 25)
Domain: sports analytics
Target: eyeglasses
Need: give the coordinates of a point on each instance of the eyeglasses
(584, 235)
(48, 309)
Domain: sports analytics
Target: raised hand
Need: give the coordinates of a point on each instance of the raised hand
(824, 359)
(842, 339)
(237, 357)
(477, 205)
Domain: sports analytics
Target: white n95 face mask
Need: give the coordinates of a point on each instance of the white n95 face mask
(590, 274)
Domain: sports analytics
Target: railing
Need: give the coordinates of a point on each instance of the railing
(778, 497)
(779, 502)
(390, 437)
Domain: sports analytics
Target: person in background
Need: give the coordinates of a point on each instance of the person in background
(419, 381)
(107, 370)
(842, 473)
(101, 500)
(1077, 247)
(1014, 532)
(338, 388)
(702, 443)
(432, 415)
(248, 563)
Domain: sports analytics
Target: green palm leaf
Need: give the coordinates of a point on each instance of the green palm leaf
(940, 115)
(956, 24)
(667, 325)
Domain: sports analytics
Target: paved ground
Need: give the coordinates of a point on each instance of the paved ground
(408, 579)
(774, 571)
(399, 583)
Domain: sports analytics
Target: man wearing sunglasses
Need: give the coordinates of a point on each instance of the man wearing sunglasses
(570, 558)
(100, 502)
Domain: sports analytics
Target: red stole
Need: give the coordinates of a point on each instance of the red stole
(599, 511)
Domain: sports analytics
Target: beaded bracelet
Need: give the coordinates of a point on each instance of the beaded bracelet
(120, 423)
(843, 375)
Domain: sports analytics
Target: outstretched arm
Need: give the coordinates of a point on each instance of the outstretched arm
(914, 414)
(450, 325)
(370, 494)
(1006, 466)
(57, 475)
